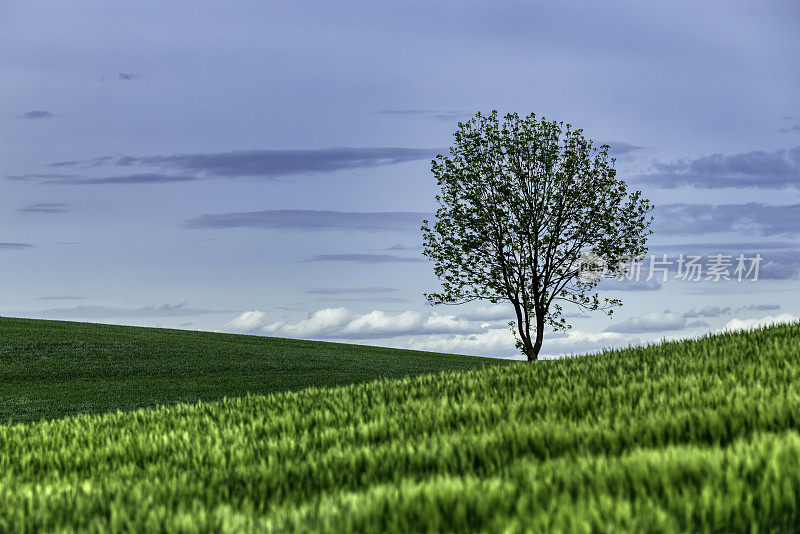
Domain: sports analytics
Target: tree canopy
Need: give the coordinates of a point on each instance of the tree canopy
(528, 207)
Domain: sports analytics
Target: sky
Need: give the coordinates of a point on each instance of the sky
(264, 167)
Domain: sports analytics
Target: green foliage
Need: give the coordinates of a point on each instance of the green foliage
(522, 202)
(697, 436)
(51, 368)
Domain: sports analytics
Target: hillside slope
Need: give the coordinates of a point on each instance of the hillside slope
(50, 369)
(701, 435)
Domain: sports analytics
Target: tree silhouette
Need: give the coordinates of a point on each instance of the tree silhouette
(530, 212)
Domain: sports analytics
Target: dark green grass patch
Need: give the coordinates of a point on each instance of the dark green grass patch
(50, 369)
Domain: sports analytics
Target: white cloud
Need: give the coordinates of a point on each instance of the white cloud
(318, 323)
(450, 324)
(421, 331)
(378, 322)
(346, 324)
(494, 341)
(249, 320)
(747, 324)
(500, 342)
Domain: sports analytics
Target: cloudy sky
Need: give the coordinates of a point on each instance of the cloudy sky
(263, 167)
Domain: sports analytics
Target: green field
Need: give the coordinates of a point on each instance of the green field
(701, 435)
(53, 368)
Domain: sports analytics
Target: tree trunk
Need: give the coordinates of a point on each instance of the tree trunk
(527, 350)
(532, 352)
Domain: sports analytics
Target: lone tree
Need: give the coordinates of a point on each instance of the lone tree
(531, 213)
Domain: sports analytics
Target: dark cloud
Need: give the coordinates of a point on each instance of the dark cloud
(774, 265)
(71, 179)
(781, 265)
(365, 258)
(311, 220)
(127, 76)
(40, 177)
(752, 218)
(708, 311)
(350, 290)
(793, 127)
(37, 114)
(759, 307)
(82, 163)
(274, 163)
(102, 312)
(668, 321)
(780, 259)
(362, 299)
(621, 148)
(45, 207)
(762, 169)
(15, 246)
(329, 298)
(716, 246)
(651, 322)
(243, 163)
(142, 178)
(404, 247)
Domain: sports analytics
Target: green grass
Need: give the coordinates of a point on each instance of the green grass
(50, 369)
(701, 435)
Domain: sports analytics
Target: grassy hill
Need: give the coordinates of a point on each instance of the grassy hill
(53, 368)
(701, 435)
